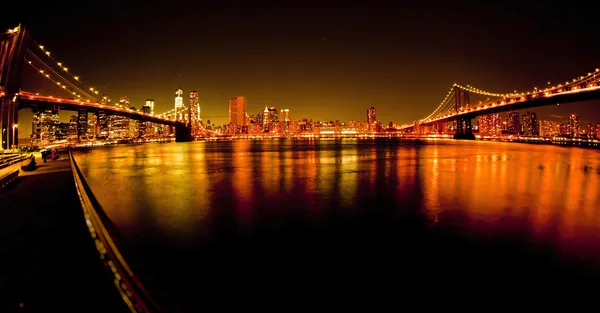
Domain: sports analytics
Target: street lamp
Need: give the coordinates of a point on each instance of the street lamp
(14, 139)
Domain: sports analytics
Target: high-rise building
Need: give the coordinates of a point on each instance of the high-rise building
(119, 125)
(61, 131)
(265, 119)
(273, 115)
(194, 110)
(92, 126)
(564, 129)
(145, 127)
(179, 104)
(549, 128)
(573, 125)
(513, 125)
(133, 131)
(150, 103)
(44, 127)
(490, 124)
(104, 125)
(590, 131)
(598, 131)
(82, 125)
(530, 124)
(371, 115)
(178, 98)
(237, 111)
(285, 115)
(73, 129)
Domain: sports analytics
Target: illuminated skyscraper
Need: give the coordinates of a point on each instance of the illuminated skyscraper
(590, 131)
(513, 125)
(150, 103)
(573, 125)
(72, 132)
(549, 128)
(273, 115)
(598, 131)
(194, 109)
(44, 127)
(530, 124)
(490, 124)
(178, 104)
(82, 125)
(285, 115)
(266, 119)
(237, 111)
(371, 115)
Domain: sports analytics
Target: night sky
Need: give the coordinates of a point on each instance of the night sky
(322, 60)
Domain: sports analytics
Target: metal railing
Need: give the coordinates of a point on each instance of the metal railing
(8, 161)
(131, 290)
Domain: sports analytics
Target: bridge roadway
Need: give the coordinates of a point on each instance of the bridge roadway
(32, 100)
(50, 263)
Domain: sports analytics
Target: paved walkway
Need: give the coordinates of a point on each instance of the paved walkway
(49, 260)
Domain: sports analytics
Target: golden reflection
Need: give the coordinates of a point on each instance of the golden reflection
(326, 169)
(431, 184)
(309, 177)
(271, 167)
(242, 180)
(288, 170)
(348, 182)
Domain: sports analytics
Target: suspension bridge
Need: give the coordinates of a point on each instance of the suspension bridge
(457, 108)
(18, 50)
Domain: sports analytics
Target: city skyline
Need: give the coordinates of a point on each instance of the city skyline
(400, 60)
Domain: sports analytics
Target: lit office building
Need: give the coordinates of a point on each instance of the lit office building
(549, 128)
(82, 126)
(530, 124)
(73, 129)
(590, 131)
(178, 104)
(573, 125)
(44, 127)
(285, 115)
(92, 127)
(237, 111)
(513, 125)
(104, 126)
(371, 115)
(194, 110)
(490, 124)
(150, 103)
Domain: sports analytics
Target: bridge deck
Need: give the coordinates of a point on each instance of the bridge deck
(50, 262)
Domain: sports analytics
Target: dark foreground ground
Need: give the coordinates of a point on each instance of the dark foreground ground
(49, 261)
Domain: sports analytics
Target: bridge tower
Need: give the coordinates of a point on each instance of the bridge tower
(464, 128)
(11, 65)
(183, 133)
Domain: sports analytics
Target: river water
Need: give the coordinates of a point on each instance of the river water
(283, 221)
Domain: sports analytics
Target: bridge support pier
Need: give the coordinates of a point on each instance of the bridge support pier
(183, 133)
(464, 129)
(9, 118)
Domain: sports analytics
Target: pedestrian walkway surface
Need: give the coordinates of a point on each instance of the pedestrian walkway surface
(50, 263)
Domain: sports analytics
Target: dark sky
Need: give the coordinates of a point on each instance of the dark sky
(325, 60)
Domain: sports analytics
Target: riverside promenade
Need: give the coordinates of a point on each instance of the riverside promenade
(50, 262)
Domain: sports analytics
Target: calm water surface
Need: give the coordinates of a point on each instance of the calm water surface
(306, 219)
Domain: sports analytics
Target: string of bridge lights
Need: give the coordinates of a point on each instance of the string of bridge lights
(66, 69)
(62, 85)
(448, 95)
(50, 69)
